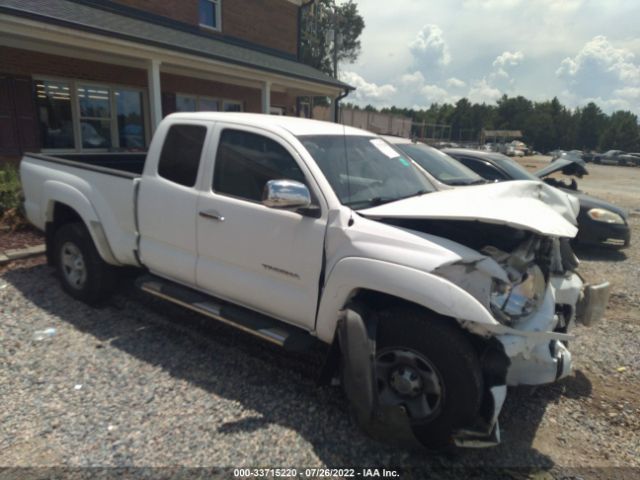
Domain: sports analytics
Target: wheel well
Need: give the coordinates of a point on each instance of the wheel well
(494, 362)
(62, 214)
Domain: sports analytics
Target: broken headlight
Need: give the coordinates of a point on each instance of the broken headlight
(511, 301)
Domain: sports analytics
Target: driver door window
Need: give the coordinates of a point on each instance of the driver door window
(245, 162)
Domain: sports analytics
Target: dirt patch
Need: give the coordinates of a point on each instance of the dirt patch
(26, 237)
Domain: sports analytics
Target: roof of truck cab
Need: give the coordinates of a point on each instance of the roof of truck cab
(295, 125)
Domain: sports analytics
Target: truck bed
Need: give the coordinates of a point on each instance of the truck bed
(100, 187)
(131, 163)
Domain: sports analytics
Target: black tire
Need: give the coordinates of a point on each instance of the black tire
(455, 361)
(100, 278)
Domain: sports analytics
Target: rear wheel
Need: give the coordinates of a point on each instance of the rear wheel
(82, 272)
(429, 368)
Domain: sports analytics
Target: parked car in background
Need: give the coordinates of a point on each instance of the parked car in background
(616, 157)
(439, 166)
(599, 222)
(514, 152)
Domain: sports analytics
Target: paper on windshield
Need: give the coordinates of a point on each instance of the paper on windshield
(384, 148)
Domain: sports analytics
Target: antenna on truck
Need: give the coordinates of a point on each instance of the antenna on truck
(346, 161)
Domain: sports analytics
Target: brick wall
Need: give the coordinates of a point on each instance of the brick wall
(273, 23)
(250, 97)
(270, 23)
(29, 63)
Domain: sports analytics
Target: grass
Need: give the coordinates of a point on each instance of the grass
(11, 212)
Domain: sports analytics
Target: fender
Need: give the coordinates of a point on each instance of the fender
(351, 274)
(54, 191)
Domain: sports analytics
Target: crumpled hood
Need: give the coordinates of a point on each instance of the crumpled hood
(525, 205)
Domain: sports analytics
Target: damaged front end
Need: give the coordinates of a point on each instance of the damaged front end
(510, 283)
(529, 284)
(537, 298)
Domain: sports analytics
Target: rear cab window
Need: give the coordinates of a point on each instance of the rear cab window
(181, 153)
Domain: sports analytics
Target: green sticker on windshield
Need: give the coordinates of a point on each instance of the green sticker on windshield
(404, 161)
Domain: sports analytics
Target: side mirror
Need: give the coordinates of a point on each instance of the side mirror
(286, 194)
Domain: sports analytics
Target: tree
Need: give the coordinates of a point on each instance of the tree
(319, 21)
(622, 132)
(590, 127)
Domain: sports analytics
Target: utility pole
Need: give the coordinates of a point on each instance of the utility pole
(337, 40)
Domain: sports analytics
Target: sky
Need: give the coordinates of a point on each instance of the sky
(418, 52)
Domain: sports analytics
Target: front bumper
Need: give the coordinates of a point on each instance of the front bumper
(592, 232)
(539, 354)
(592, 303)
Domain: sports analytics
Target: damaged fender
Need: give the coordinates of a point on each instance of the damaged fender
(426, 289)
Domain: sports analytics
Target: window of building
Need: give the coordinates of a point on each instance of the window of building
(82, 116)
(207, 104)
(130, 119)
(232, 106)
(198, 103)
(245, 162)
(181, 152)
(95, 116)
(55, 119)
(186, 103)
(210, 14)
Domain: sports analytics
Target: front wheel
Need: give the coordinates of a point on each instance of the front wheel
(427, 366)
(82, 272)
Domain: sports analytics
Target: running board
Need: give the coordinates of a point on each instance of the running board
(269, 329)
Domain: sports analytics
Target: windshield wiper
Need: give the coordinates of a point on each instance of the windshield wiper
(465, 182)
(376, 201)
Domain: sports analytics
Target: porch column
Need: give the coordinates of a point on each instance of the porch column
(332, 109)
(155, 93)
(266, 97)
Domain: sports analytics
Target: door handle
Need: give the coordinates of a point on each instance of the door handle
(212, 215)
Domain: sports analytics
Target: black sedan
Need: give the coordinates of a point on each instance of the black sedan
(599, 222)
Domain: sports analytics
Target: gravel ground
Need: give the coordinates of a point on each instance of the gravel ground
(139, 382)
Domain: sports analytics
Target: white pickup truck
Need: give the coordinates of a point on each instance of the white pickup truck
(298, 231)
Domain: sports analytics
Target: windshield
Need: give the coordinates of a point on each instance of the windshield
(365, 171)
(440, 165)
(513, 168)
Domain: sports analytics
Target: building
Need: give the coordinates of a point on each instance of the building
(99, 75)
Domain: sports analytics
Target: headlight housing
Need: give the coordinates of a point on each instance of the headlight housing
(509, 302)
(605, 216)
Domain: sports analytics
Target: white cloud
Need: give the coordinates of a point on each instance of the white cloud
(600, 60)
(631, 93)
(491, 4)
(433, 94)
(482, 92)
(504, 63)
(454, 82)
(368, 92)
(508, 59)
(429, 47)
(415, 79)
(603, 73)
